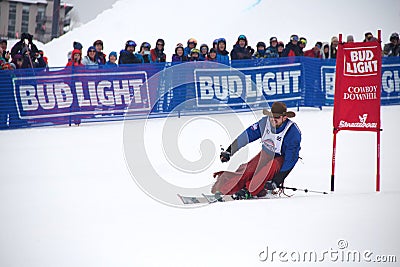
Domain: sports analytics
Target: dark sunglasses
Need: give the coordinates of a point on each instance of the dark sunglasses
(161, 44)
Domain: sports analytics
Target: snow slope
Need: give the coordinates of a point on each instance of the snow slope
(67, 199)
(176, 21)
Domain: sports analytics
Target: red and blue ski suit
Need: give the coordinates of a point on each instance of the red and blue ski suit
(273, 163)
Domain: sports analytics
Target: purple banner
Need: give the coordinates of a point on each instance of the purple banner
(84, 92)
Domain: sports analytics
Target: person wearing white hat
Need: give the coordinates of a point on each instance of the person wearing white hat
(392, 49)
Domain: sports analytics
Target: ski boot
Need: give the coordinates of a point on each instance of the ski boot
(242, 194)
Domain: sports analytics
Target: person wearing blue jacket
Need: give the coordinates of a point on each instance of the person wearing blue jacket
(222, 54)
(267, 171)
(191, 43)
(112, 60)
(203, 52)
(144, 53)
(272, 49)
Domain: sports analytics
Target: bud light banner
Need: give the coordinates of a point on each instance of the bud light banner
(390, 93)
(34, 97)
(250, 86)
(358, 87)
(83, 92)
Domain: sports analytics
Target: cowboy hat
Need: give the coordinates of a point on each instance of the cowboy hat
(279, 109)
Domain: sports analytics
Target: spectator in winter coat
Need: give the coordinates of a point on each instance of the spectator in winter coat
(280, 47)
(26, 41)
(203, 52)
(333, 48)
(241, 50)
(314, 52)
(29, 51)
(45, 59)
(144, 53)
(90, 58)
(75, 45)
(76, 59)
(272, 50)
(350, 39)
(112, 60)
(392, 49)
(368, 37)
(291, 48)
(179, 54)
(280, 138)
(212, 55)
(194, 55)
(191, 43)
(2, 59)
(222, 54)
(325, 50)
(260, 53)
(127, 55)
(157, 54)
(215, 44)
(302, 44)
(32, 60)
(6, 54)
(100, 56)
(18, 61)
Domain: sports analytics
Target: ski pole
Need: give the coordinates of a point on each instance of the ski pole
(304, 190)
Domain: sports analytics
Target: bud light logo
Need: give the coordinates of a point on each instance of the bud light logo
(360, 62)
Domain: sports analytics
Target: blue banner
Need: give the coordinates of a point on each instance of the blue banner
(34, 97)
(50, 95)
(390, 93)
(248, 86)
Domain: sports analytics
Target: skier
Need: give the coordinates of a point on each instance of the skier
(264, 173)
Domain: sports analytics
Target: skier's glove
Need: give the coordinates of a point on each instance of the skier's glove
(251, 50)
(225, 156)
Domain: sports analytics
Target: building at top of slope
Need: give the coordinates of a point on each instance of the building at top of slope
(33, 16)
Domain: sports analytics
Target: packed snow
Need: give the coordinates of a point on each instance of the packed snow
(67, 198)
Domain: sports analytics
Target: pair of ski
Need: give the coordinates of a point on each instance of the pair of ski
(213, 198)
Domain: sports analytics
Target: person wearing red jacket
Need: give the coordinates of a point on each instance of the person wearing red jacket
(291, 48)
(314, 52)
(157, 53)
(76, 58)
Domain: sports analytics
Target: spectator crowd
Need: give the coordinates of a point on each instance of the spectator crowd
(25, 54)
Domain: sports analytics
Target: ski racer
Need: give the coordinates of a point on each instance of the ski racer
(265, 172)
